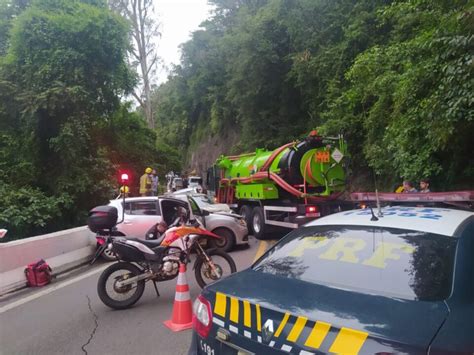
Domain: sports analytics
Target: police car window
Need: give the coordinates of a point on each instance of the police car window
(387, 261)
(147, 208)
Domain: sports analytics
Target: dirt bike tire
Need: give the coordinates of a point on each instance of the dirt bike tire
(200, 262)
(102, 290)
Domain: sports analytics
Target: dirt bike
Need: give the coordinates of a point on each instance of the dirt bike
(122, 284)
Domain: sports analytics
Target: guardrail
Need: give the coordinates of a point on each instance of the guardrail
(62, 250)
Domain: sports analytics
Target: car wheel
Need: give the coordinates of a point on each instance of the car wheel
(226, 243)
(246, 212)
(258, 223)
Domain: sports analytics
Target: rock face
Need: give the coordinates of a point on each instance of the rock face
(205, 152)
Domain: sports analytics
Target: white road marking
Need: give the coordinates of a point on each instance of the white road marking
(259, 338)
(36, 295)
(272, 344)
(247, 334)
(304, 352)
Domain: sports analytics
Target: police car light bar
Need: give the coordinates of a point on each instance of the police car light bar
(452, 196)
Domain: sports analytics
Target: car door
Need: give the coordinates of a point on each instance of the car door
(139, 217)
(196, 212)
(169, 208)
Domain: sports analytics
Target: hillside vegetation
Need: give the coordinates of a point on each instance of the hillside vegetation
(64, 132)
(396, 77)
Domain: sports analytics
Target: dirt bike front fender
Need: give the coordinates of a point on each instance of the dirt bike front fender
(207, 233)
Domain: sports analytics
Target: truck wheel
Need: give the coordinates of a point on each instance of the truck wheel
(258, 223)
(246, 212)
(226, 243)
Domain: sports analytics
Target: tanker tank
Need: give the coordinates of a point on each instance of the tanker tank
(313, 168)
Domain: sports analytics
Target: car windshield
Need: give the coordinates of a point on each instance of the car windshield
(386, 261)
(202, 201)
(195, 180)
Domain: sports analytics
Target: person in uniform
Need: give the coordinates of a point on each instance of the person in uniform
(145, 183)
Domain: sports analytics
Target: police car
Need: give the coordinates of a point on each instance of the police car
(349, 283)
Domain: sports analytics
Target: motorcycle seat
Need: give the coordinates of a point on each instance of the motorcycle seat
(150, 243)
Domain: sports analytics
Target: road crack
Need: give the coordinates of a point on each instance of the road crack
(96, 321)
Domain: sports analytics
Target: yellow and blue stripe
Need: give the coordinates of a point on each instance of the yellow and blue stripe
(245, 318)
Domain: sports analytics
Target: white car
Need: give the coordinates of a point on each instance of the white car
(203, 201)
(141, 213)
(194, 181)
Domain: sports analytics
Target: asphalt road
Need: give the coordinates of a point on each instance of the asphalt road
(67, 317)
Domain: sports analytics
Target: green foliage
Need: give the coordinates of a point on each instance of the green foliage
(412, 97)
(64, 131)
(394, 76)
(133, 147)
(26, 211)
(68, 56)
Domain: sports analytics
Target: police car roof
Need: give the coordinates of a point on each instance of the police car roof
(431, 220)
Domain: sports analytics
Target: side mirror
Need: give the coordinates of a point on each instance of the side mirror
(205, 213)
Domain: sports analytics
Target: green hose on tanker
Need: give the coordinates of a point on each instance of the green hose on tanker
(312, 169)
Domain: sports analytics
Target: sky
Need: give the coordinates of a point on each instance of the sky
(178, 19)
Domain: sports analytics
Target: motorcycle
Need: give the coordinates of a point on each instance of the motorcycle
(122, 284)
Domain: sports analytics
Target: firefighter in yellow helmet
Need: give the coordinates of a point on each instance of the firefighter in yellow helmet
(145, 183)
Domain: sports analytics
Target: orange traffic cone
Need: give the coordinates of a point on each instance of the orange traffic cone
(182, 309)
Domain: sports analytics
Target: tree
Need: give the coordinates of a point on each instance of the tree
(144, 31)
(64, 72)
(411, 97)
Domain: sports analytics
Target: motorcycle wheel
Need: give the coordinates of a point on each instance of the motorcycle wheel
(115, 297)
(223, 263)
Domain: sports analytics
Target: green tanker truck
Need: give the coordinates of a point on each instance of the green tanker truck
(285, 187)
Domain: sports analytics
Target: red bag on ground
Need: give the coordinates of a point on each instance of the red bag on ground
(38, 274)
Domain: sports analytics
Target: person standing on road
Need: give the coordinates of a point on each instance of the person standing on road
(154, 183)
(145, 183)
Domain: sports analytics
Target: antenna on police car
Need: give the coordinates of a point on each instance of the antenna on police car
(374, 218)
(379, 209)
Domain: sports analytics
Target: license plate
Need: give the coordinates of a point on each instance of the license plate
(205, 348)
